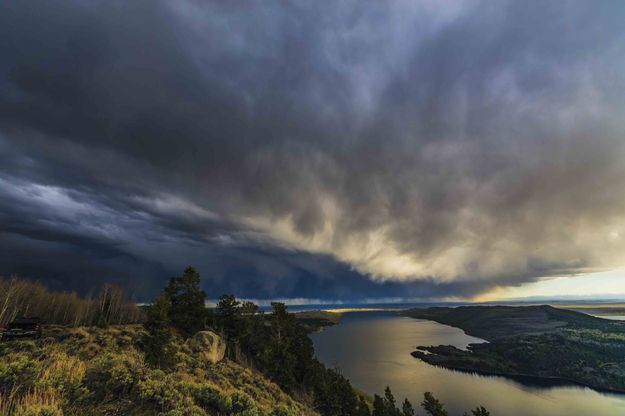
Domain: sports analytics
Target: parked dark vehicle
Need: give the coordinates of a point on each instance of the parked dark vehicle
(23, 328)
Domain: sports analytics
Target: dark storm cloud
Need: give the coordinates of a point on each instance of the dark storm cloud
(351, 150)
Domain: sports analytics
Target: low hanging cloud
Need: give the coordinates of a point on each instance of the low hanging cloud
(350, 149)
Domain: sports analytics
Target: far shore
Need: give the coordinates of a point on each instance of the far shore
(346, 310)
(522, 377)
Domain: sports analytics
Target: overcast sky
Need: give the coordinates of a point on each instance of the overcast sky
(326, 150)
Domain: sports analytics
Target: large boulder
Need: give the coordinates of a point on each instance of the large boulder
(208, 346)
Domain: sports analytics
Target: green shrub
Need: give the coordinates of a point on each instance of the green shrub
(207, 395)
(159, 389)
(242, 404)
(18, 369)
(114, 375)
(187, 408)
(283, 411)
(64, 374)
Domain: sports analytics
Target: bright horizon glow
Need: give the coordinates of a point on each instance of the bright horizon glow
(600, 285)
(605, 285)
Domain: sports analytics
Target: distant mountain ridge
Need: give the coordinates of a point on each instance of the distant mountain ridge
(492, 322)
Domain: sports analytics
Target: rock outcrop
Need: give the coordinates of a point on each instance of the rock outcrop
(208, 346)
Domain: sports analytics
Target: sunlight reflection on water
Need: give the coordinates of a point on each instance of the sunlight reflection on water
(373, 350)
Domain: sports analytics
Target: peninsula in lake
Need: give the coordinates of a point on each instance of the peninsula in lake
(538, 341)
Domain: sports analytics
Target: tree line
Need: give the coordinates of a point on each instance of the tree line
(26, 298)
(273, 343)
(386, 406)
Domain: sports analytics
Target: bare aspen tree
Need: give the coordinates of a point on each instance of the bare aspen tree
(22, 297)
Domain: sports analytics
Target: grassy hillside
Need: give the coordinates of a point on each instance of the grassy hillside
(534, 340)
(94, 371)
(317, 320)
(184, 359)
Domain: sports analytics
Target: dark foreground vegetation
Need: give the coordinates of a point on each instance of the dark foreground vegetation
(183, 359)
(538, 341)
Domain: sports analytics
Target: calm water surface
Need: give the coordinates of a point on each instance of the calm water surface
(373, 350)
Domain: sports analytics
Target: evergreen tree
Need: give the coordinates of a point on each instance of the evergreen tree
(248, 317)
(188, 312)
(480, 411)
(249, 308)
(252, 332)
(280, 358)
(407, 409)
(389, 398)
(279, 311)
(228, 316)
(379, 406)
(432, 405)
(157, 341)
(389, 401)
(303, 350)
(363, 407)
(342, 393)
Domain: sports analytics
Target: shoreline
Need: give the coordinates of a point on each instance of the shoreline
(509, 328)
(520, 376)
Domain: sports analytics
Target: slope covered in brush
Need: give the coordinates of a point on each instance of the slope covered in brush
(95, 371)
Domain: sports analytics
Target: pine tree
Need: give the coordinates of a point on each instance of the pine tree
(432, 405)
(188, 312)
(249, 308)
(279, 311)
(389, 402)
(281, 360)
(363, 407)
(228, 315)
(379, 406)
(407, 409)
(229, 321)
(480, 411)
(157, 342)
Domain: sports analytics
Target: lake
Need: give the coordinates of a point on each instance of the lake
(372, 349)
(613, 317)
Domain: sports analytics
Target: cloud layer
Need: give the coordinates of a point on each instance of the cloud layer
(351, 150)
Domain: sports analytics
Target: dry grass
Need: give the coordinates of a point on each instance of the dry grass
(100, 371)
(60, 363)
(36, 402)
